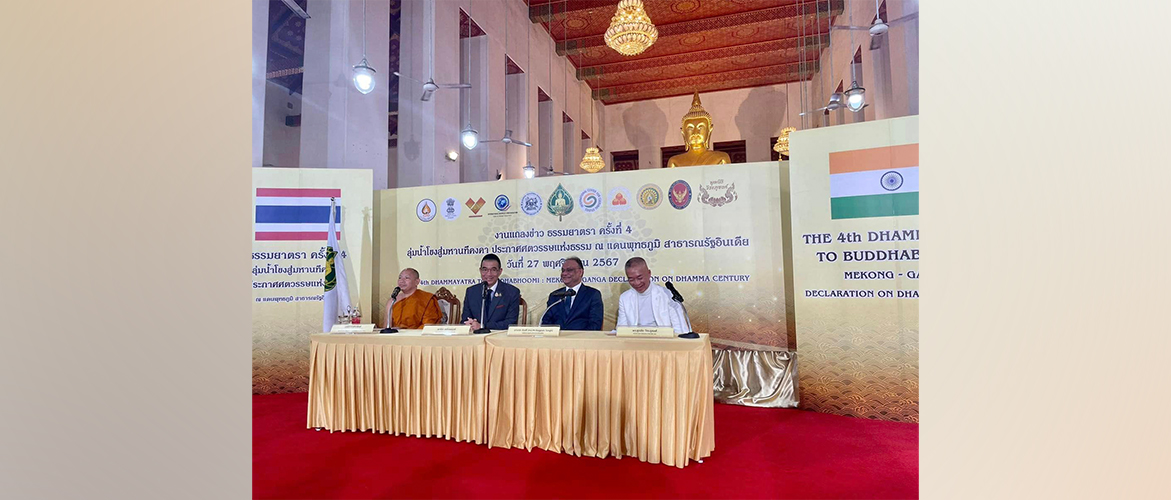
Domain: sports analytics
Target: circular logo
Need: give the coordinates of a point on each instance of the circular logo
(531, 203)
(650, 196)
(619, 199)
(680, 194)
(892, 180)
(450, 209)
(502, 203)
(425, 210)
(590, 200)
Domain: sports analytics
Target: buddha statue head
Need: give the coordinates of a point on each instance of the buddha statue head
(697, 127)
(697, 137)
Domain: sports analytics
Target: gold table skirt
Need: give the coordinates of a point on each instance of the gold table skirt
(584, 393)
(590, 394)
(404, 383)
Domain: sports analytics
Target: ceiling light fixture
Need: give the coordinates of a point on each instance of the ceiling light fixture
(530, 170)
(855, 97)
(452, 155)
(592, 161)
(782, 145)
(363, 73)
(469, 137)
(631, 31)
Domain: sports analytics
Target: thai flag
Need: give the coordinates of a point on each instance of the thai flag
(295, 214)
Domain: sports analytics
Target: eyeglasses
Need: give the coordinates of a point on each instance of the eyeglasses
(490, 269)
(564, 270)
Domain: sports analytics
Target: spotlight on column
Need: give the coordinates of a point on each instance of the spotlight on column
(364, 77)
(855, 97)
(530, 170)
(469, 137)
(452, 155)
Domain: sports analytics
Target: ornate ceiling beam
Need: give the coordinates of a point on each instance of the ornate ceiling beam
(778, 46)
(774, 14)
(750, 77)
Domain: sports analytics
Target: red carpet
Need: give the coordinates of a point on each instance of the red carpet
(760, 453)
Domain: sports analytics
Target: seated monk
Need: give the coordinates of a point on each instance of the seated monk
(413, 308)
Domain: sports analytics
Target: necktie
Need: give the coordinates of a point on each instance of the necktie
(568, 305)
(487, 307)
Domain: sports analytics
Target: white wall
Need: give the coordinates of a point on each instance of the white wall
(529, 46)
(754, 115)
(890, 75)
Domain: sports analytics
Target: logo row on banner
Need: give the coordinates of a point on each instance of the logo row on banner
(561, 202)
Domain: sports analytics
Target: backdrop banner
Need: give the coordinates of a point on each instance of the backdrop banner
(290, 217)
(714, 231)
(855, 260)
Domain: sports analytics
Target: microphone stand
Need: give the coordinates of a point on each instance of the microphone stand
(390, 321)
(541, 322)
(483, 303)
(677, 297)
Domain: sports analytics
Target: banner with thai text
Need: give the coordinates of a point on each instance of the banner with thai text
(290, 216)
(713, 231)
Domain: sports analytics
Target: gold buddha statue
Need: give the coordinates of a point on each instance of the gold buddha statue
(697, 135)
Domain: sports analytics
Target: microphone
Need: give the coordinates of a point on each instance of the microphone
(564, 294)
(483, 303)
(390, 321)
(674, 293)
(677, 297)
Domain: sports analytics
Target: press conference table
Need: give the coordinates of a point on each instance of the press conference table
(584, 393)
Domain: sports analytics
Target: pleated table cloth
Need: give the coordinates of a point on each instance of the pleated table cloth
(406, 383)
(583, 393)
(591, 394)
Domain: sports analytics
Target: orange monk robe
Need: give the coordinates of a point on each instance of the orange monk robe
(421, 308)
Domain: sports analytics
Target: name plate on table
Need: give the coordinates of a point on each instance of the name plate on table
(447, 329)
(535, 331)
(350, 328)
(646, 331)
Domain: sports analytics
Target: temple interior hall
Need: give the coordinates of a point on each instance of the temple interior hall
(535, 83)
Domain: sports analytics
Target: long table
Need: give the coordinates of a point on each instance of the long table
(583, 393)
(405, 383)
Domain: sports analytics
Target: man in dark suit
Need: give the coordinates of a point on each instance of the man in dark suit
(501, 305)
(583, 310)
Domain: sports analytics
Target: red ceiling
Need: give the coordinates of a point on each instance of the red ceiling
(703, 45)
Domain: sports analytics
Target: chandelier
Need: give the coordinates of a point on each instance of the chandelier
(592, 161)
(782, 145)
(631, 31)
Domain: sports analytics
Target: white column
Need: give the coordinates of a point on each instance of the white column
(492, 108)
(341, 127)
(427, 130)
(904, 49)
(259, 68)
(484, 107)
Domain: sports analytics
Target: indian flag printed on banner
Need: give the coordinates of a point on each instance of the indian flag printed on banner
(876, 182)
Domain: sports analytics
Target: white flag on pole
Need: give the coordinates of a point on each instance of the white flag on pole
(337, 291)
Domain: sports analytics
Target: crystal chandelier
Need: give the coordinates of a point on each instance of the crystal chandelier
(782, 145)
(631, 31)
(592, 161)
